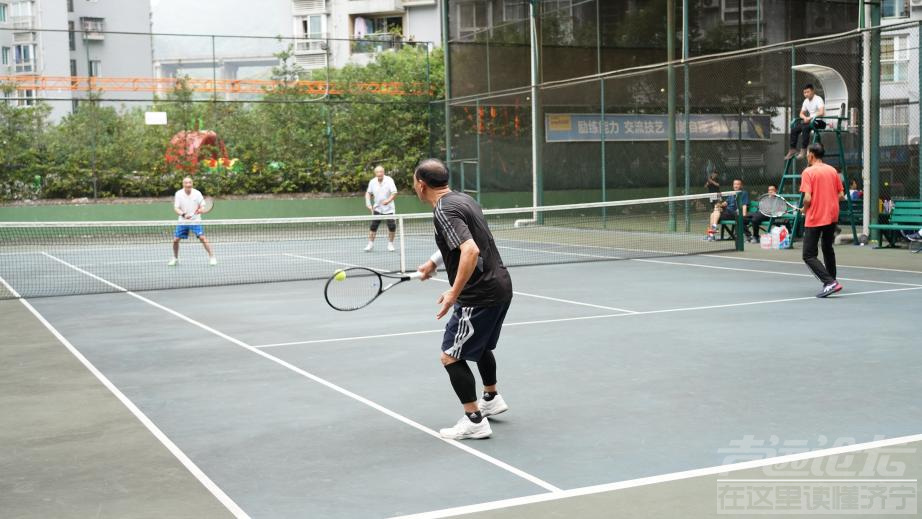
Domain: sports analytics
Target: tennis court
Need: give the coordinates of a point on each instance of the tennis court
(629, 382)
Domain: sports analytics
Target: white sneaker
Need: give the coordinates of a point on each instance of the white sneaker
(370, 246)
(390, 246)
(212, 261)
(173, 262)
(466, 429)
(493, 407)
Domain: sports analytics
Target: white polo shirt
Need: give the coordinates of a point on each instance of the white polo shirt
(381, 191)
(188, 204)
(812, 106)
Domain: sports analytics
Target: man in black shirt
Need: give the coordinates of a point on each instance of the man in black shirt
(479, 297)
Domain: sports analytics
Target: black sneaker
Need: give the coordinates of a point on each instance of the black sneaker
(830, 289)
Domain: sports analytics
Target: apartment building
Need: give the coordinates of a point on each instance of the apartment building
(899, 74)
(352, 31)
(59, 39)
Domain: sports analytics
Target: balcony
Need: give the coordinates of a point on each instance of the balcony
(19, 23)
(377, 42)
(93, 29)
(310, 46)
(24, 67)
(364, 7)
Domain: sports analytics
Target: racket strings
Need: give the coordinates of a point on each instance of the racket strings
(355, 291)
(773, 206)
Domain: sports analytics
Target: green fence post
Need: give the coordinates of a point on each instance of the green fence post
(740, 230)
(873, 125)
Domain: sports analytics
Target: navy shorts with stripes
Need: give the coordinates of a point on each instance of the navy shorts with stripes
(473, 330)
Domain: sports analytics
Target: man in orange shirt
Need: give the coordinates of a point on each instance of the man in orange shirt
(822, 189)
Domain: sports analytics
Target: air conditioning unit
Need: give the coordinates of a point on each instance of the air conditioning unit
(913, 140)
(915, 3)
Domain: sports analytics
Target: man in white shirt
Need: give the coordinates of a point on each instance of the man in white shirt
(812, 108)
(188, 205)
(379, 199)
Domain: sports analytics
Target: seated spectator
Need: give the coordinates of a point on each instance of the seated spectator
(758, 218)
(854, 193)
(727, 210)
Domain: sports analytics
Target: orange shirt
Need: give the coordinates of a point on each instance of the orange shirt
(824, 185)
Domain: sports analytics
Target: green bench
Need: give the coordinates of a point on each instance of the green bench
(906, 216)
(728, 227)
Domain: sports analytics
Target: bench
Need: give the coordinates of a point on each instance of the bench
(906, 216)
(728, 227)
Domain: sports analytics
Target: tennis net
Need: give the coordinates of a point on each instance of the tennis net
(71, 258)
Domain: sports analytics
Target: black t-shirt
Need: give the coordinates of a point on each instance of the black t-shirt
(458, 218)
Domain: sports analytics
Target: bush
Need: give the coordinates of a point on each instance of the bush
(283, 146)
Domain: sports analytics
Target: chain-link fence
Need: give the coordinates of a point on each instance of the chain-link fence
(87, 113)
(607, 136)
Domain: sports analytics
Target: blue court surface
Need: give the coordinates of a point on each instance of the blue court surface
(628, 381)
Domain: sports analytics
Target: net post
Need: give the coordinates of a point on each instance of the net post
(403, 245)
(740, 230)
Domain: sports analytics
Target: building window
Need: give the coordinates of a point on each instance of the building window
(26, 97)
(70, 6)
(73, 67)
(21, 9)
(71, 38)
(515, 10)
(383, 24)
(95, 67)
(312, 26)
(894, 8)
(2, 13)
(894, 125)
(24, 56)
(473, 17)
(731, 10)
(6, 55)
(894, 59)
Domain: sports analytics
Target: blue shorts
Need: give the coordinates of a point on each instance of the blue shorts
(182, 231)
(472, 330)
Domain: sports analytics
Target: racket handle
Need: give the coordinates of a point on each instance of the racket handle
(415, 275)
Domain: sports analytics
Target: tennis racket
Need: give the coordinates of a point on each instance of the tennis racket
(775, 205)
(355, 288)
(206, 207)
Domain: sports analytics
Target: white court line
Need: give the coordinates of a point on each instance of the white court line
(774, 272)
(664, 478)
(378, 407)
(568, 301)
(592, 317)
(332, 262)
(221, 256)
(714, 255)
(722, 256)
(190, 465)
(882, 480)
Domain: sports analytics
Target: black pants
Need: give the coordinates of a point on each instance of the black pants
(800, 133)
(812, 237)
(757, 219)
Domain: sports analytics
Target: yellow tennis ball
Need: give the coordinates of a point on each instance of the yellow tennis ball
(340, 276)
